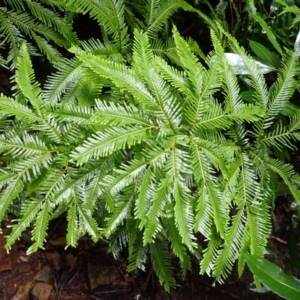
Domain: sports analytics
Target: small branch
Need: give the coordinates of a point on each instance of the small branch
(280, 240)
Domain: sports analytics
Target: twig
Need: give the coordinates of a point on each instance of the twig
(185, 31)
(145, 285)
(280, 240)
(110, 292)
(56, 288)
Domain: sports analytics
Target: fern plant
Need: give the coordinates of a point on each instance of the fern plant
(38, 21)
(165, 157)
(140, 143)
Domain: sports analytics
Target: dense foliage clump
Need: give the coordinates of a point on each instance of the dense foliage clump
(144, 141)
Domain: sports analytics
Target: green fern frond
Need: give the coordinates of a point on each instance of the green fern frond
(72, 229)
(40, 229)
(138, 254)
(175, 77)
(46, 48)
(29, 167)
(183, 213)
(29, 211)
(286, 172)
(283, 88)
(259, 225)
(87, 223)
(26, 80)
(157, 14)
(74, 114)
(118, 115)
(125, 175)
(192, 66)
(123, 77)
(69, 72)
(282, 136)
(257, 79)
(110, 16)
(161, 196)
(26, 145)
(51, 19)
(216, 118)
(11, 107)
(145, 195)
(210, 252)
(9, 193)
(159, 254)
(228, 254)
(121, 211)
(179, 250)
(109, 141)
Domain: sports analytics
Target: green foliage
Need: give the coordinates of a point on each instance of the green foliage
(38, 21)
(139, 142)
(274, 278)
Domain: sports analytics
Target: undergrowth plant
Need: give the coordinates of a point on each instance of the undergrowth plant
(144, 145)
(41, 24)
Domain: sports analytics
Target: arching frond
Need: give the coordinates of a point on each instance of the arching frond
(69, 71)
(160, 258)
(110, 16)
(282, 89)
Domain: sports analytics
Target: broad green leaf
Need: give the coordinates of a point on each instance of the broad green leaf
(262, 52)
(269, 33)
(290, 109)
(273, 277)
